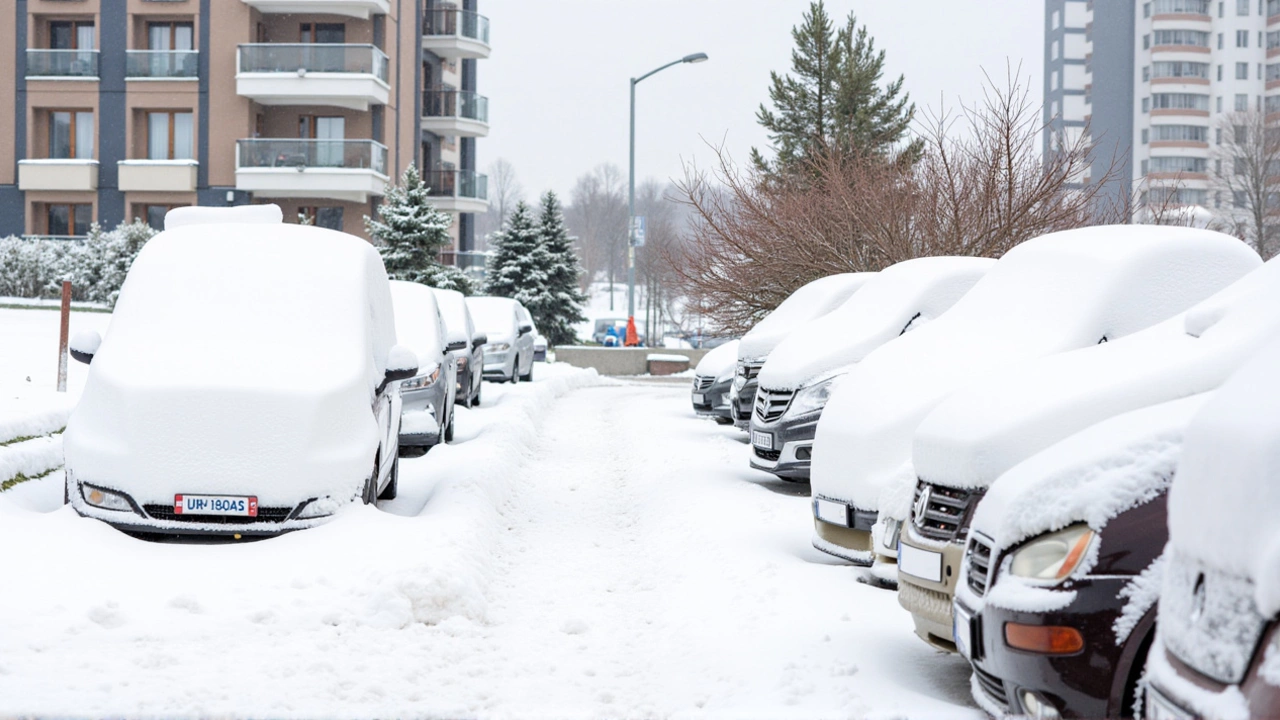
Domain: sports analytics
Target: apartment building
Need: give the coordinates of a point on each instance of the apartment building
(1157, 84)
(122, 109)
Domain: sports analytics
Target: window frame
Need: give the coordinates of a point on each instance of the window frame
(173, 120)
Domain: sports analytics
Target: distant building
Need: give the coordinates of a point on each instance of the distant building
(122, 109)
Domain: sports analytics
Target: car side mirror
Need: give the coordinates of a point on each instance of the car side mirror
(85, 345)
(455, 341)
(402, 364)
(478, 340)
(525, 328)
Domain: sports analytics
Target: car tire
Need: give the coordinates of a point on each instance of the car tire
(393, 486)
(371, 485)
(515, 374)
(724, 421)
(448, 430)
(475, 398)
(528, 377)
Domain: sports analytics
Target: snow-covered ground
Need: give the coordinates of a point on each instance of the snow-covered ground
(585, 548)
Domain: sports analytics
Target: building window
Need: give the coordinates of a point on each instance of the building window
(322, 33)
(154, 215)
(1219, 103)
(1242, 71)
(1179, 165)
(1146, 73)
(1242, 7)
(170, 136)
(1178, 133)
(71, 134)
(1217, 136)
(1053, 50)
(1220, 9)
(1057, 19)
(1179, 101)
(1146, 42)
(1219, 73)
(1242, 38)
(170, 36)
(1146, 105)
(1242, 102)
(68, 219)
(1053, 80)
(1273, 71)
(74, 35)
(1144, 136)
(325, 217)
(1219, 41)
(1146, 10)
(1239, 199)
(1144, 167)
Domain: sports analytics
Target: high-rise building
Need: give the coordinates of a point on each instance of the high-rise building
(122, 109)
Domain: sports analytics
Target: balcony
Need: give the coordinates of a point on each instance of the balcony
(157, 175)
(59, 175)
(453, 112)
(62, 64)
(351, 170)
(455, 34)
(461, 191)
(351, 8)
(162, 64)
(346, 76)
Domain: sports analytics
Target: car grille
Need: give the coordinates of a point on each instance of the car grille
(978, 564)
(768, 454)
(771, 404)
(703, 383)
(946, 515)
(749, 370)
(265, 514)
(992, 687)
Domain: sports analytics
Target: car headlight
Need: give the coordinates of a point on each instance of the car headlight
(1053, 556)
(422, 381)
(497, 347)
(811, 399)
(462, 363)
(317, 508)
(738, 383)
(105, 499)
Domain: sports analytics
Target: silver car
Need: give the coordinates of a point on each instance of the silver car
(427, 398)
(508, 354)
(461, 328)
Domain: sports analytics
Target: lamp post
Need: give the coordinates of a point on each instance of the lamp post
(631, 186)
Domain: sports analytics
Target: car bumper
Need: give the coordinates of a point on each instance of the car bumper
(929, 600)
(850, 541)
(498, 365)
(1089, 683)
(792, 443)
(431, 403)
(540, 355)
(742, 404)
(719, 401)
(152, 519)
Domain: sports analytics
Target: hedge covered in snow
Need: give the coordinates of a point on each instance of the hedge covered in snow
(35, 267)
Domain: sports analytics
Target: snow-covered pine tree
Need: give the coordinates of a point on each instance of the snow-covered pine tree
(410, 232)
(519, 268)
(564, 301)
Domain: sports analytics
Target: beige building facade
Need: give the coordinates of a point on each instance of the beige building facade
(122, 109)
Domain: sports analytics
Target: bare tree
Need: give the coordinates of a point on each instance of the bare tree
(1246, 169)
(504, 192)
(597, 215)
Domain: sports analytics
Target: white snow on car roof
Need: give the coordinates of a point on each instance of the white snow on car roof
(453, 307)
(1090, 476)
(1224, 504)
(1059, 292)
(494, 316)
(417, 320)
(813, 300)
(243, 214)
(985, 428)
(719, 360)
(911, 292)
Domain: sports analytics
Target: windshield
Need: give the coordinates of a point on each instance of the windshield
(418, 322)
(493, 316)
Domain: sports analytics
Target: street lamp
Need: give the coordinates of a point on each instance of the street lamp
(631, 185)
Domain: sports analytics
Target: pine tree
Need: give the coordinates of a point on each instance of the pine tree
(563, 299)
(833, 96)
(520, 267)
(410, 232)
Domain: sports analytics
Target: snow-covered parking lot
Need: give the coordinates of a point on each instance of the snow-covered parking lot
(586, 548)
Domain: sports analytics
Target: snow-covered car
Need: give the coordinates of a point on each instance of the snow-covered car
(508, 352)
(428, 398)
(713, 381)
(470, 359)
(1051, 294)
(811, 301)
(797, 379)
(1055, 606)
(246, 384)
(539, 346)
(988, 427)
(1217, 647)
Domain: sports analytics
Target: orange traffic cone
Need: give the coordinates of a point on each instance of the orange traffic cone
(633, 337)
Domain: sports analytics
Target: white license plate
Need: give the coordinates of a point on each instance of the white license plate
(924, 564)
(762, 440)
(700, 398)
(962, 629)
(831, 512)
(226, 505)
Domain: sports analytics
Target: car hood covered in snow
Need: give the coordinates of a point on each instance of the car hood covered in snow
(1059, 292)
(988, 427)
(720, 361)
(495, 317)
(241, 359)
(813, 300)
(899, 298)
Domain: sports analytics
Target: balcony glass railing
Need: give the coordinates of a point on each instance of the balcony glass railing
(62, 63)
(458, 184)
(455, 103)
(162, 63)
(313, 57)
(288, 153)
(459, 23)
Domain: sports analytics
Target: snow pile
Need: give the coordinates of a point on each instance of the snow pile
(1059, 292)
(1227, 705)
(813, 300)
(1140, 596)
(419, 326)
(719, 362)
(241, 359)
(660, 357)
(34, 415)
(494, 316)
(899, 298)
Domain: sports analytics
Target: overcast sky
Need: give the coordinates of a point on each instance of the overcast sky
(558, 77)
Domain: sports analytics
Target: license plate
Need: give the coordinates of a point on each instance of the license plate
(762, 440)
(924, 564)
(700, 398)
(226, 505)
(961, 628)
(831, 512)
